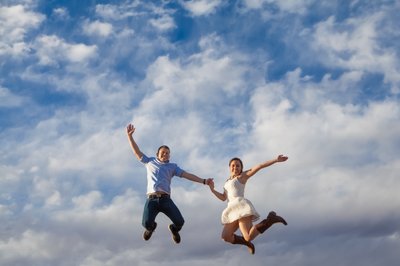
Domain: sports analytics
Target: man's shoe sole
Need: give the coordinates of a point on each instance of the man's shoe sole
(175, 235)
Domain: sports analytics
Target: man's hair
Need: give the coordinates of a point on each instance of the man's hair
(161, 147)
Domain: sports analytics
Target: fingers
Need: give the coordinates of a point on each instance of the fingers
(130, 129)
(210, 182)
(282, 158)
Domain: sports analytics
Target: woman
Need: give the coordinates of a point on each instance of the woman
(240, 212)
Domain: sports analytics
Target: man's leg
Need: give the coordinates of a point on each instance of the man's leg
(150, 212)
(169, 208)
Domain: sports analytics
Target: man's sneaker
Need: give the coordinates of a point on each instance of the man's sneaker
(175, 235)
(147, 233)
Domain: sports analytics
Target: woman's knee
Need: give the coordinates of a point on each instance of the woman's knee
(227, 237)
(246, 237)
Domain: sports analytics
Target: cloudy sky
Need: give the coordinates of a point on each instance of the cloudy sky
(318, 81)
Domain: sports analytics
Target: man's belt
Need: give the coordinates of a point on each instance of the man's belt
(158, 195)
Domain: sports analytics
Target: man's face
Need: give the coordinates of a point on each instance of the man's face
(163, 155)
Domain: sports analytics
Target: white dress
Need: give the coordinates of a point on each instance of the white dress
(238, 206)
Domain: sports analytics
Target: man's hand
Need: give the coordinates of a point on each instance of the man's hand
(130, 129)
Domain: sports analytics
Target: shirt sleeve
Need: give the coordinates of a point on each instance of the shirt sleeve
(144, 159)
(178, 171)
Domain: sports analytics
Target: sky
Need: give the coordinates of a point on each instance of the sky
(318, 81)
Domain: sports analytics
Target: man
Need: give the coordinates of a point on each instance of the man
(159, 174)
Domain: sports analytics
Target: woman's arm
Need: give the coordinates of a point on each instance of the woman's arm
(221, 196)
(249, 173)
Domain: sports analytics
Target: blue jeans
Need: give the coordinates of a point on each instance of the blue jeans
(164, 205)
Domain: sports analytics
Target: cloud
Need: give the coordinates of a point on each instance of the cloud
(163, 23)
(30, 246)
(97, 28)
(4, 211)
(355, 44)
(52, 49)
(9, 99)
(298, 6)
(15, 23)
(118, 12)
(173, 77)
(54, 199)
(72, 193)
(341, 148)
(201, 7)
(61, 12)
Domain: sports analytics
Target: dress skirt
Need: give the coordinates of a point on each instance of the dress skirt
(238, 208)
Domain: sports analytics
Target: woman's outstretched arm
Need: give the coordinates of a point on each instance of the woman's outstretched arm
(249, 173)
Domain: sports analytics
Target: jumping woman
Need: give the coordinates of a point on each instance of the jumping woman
(240, 212)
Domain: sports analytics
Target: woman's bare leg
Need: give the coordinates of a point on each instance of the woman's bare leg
(228, 234)
(245, 225)
(253, 233)
(249, 231)
(228, 231)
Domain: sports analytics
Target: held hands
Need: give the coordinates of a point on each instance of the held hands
(130, 129)
(210, 183)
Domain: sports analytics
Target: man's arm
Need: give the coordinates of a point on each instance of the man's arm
(129, 131)
(195, 178)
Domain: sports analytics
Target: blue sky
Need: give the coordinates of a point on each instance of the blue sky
(318, 81)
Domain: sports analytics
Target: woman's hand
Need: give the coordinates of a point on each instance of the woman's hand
(281, 158)
(210, 183)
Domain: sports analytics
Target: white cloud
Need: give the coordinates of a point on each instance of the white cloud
(254, 3)
(176, 81)
(97, 28)
(61, 12)
(80, 52)
(354, 44)
(72, 193)
(92, 206)
(54, 199)
(163, 23)
(4, 211)
(90, 151)
(77, 228)
(52, 49)
(15, 23)
(294, 6)
(201, 7)
(88, 201)
(117, 12)
(30, 245)
(9, 99)
(338, 154)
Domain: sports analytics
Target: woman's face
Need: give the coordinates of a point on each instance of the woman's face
(235, 167)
